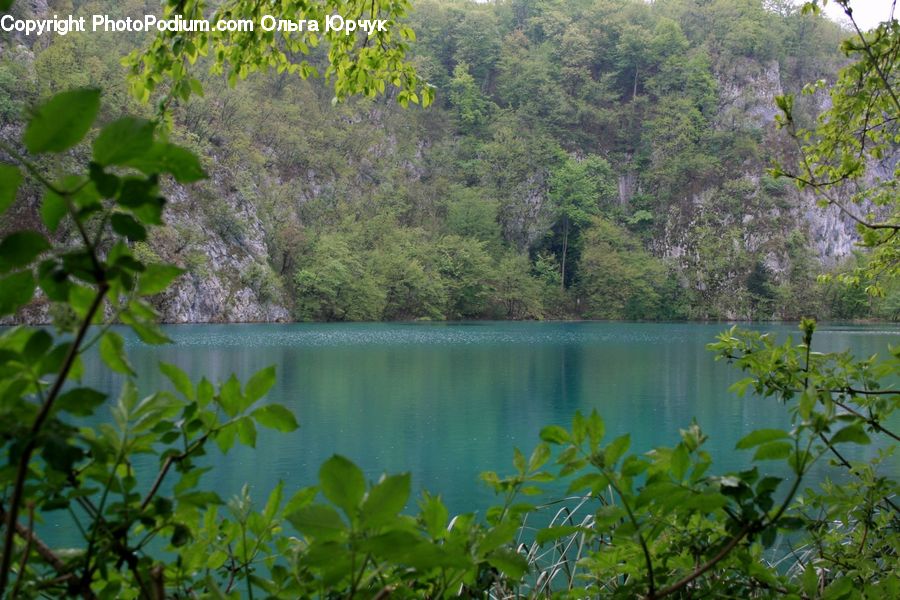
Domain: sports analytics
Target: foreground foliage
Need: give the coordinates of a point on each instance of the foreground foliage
(848, 158)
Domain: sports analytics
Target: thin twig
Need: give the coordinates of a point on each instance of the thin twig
(23, 564)
(167, 464)
(31, 444)
(640, 536)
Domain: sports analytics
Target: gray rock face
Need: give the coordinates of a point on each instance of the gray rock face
(223, 292)
(747, 91)
(196, 299)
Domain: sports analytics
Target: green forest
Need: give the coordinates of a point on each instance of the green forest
(527, 159)
(583, 159)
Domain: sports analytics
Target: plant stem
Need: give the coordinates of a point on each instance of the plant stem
(736, 539)
(868, 50)
(31, 444)
(25, 553)
(168, 465)
(246, 561)
(637, 531)
(726, 549)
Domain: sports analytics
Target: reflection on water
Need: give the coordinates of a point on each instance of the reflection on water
(448, 401)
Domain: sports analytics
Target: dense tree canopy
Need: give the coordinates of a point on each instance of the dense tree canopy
(655, 524)
(656, 117)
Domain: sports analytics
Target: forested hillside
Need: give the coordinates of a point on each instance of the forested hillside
(584, 158)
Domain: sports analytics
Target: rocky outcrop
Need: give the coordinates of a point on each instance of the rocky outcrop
(212, 299)
(747, 91)
(225, 290)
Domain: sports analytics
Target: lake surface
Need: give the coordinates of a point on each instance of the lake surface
(448, 401)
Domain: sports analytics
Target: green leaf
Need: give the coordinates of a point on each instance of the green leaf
(181, 535)
(53, 361)
(841, 587)
(63, 121)
(810, 581)
(216, 560)
(106, 184)
(608, 515)
(37, 346)
(149, 333)
(386, 499)
(246, 431)
(59, 455)
(318, 521)
(10, 180)
(854, 434)
(510, 563)
(578, 428)
(596, 429)
(593, 481)
(125, 225)
(156, 278)
(232, 399)
(499, 535)
(123, 140)
(16, 290)
(205, 392)
(259, 385)
(80, 402)
(301, 498)
(189, 480)
(806, 403)
(760, 436)
(342, 482)
(20, 248)
(680, 462)
(154, 409)
(112, 351)
(53, 209)
(225, 437)
(616, 449)
(740, 387)
(183, 165)
(179, 379)
(53, 279)
(396, 546)
(519, 461)
(773, 451)
(705, 503)
(275, 416)
(633, 465)
(539, 457)
(554, 434)
(273, 502)
(434, 515)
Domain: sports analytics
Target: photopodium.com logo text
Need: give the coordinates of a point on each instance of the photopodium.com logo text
(151, 23)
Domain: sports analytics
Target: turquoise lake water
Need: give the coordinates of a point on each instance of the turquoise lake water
(448, 401)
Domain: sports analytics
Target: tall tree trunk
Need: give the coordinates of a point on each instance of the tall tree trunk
(634, 91)
(562, 265)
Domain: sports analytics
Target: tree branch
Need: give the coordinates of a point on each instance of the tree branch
(726, 549)
(167, 464)
(31, 444)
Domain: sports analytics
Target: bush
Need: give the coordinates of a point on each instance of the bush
(260, 278)
(618, 278)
